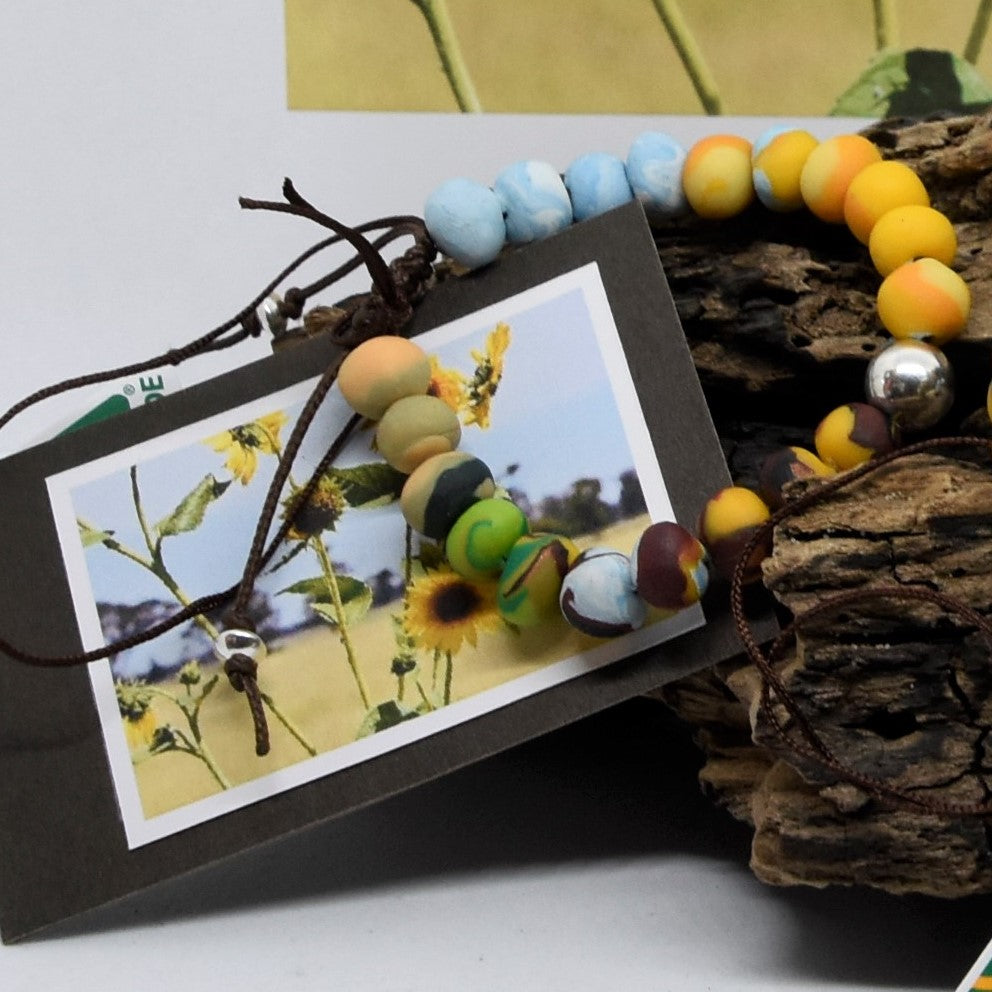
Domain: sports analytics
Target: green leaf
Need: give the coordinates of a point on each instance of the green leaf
(368, 486)
(356, 597)
(384, 716)
(188, 515)
(914, 83)
(91, 535)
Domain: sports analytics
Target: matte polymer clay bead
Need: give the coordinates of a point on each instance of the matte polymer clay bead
(481, 538)
(926, 300)
(598, 597)
(654, 171)
(727, 523)
(416, 428)
(784, 466)
(717, 176)
(829, 170)
(530, 584)
(465, 219)
(441, 489)
(851, 435)
(596, 183)
(877, 189)
(381, 371)
(534, 201)
(669, 567)
(777, 161)
(905, 233)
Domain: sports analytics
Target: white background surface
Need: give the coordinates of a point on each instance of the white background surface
(584, 861)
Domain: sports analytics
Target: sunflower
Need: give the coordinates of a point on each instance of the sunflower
(244, 443)
(443, 609)
(139, 731)
(447, 385)
(320, 512)
(488, 373)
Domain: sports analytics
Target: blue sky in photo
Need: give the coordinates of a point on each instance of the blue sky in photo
(554, 416)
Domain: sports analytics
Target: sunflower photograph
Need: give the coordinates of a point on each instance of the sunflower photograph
(368, 637)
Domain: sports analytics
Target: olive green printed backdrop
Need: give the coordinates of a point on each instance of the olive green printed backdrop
(871, 58)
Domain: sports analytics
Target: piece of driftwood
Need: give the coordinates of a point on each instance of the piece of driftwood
(781, 321)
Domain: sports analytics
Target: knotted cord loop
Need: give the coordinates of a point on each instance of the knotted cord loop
(242, 672)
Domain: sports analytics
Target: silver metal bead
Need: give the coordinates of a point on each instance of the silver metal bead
(272, 315)
(234, 641)
(912, 382)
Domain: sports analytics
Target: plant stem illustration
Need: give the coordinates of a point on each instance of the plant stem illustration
(691, 54)
(449, 51)
(979, 28)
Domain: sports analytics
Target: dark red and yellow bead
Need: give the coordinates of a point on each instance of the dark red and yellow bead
(784, 466)
(852, 434)
(727, 523)
(669, 567)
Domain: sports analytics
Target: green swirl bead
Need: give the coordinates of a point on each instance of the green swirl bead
(482, 537)
(531, 581)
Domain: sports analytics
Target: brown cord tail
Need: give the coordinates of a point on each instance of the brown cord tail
(397, 287)
(798, 736)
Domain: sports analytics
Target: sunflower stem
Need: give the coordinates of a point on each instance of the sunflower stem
(886, 31)
(449, 671)
(689, 52)
(198, 747)
(289, 725)
(327, 567)
(449, 51)
(979, 28)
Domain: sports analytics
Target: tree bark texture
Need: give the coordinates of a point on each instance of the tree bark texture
(780, 316)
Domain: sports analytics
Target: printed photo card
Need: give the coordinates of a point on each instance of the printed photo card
(572, 381)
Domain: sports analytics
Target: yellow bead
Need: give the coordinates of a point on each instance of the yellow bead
(877, 189)
(911, 232)
(924, 300)
(716, 177)
(777, 166)
(829, 170)
(852, 434)
(727, 523)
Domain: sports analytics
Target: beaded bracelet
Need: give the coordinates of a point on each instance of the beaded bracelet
(921, 302)
(450, 497)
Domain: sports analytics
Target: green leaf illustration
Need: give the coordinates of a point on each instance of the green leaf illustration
(188, 515)
(356, 597)
(914, 83)
(368, 486)
(90, 535)
(384, 716)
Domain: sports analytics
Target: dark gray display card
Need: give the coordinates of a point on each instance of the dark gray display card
(385, 670)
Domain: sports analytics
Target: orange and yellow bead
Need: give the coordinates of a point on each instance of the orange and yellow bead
(716, 176)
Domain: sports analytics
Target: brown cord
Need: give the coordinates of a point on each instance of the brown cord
(397, 287)
(811, 745)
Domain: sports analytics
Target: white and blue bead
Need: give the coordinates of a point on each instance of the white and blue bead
(465, 219)
(534, 200)
(596, 183)
(598, 595)
(654, 171)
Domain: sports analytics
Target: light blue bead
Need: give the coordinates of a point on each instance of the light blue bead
(597, 182)
(654, 171)
(534, 200)
(465, 220)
